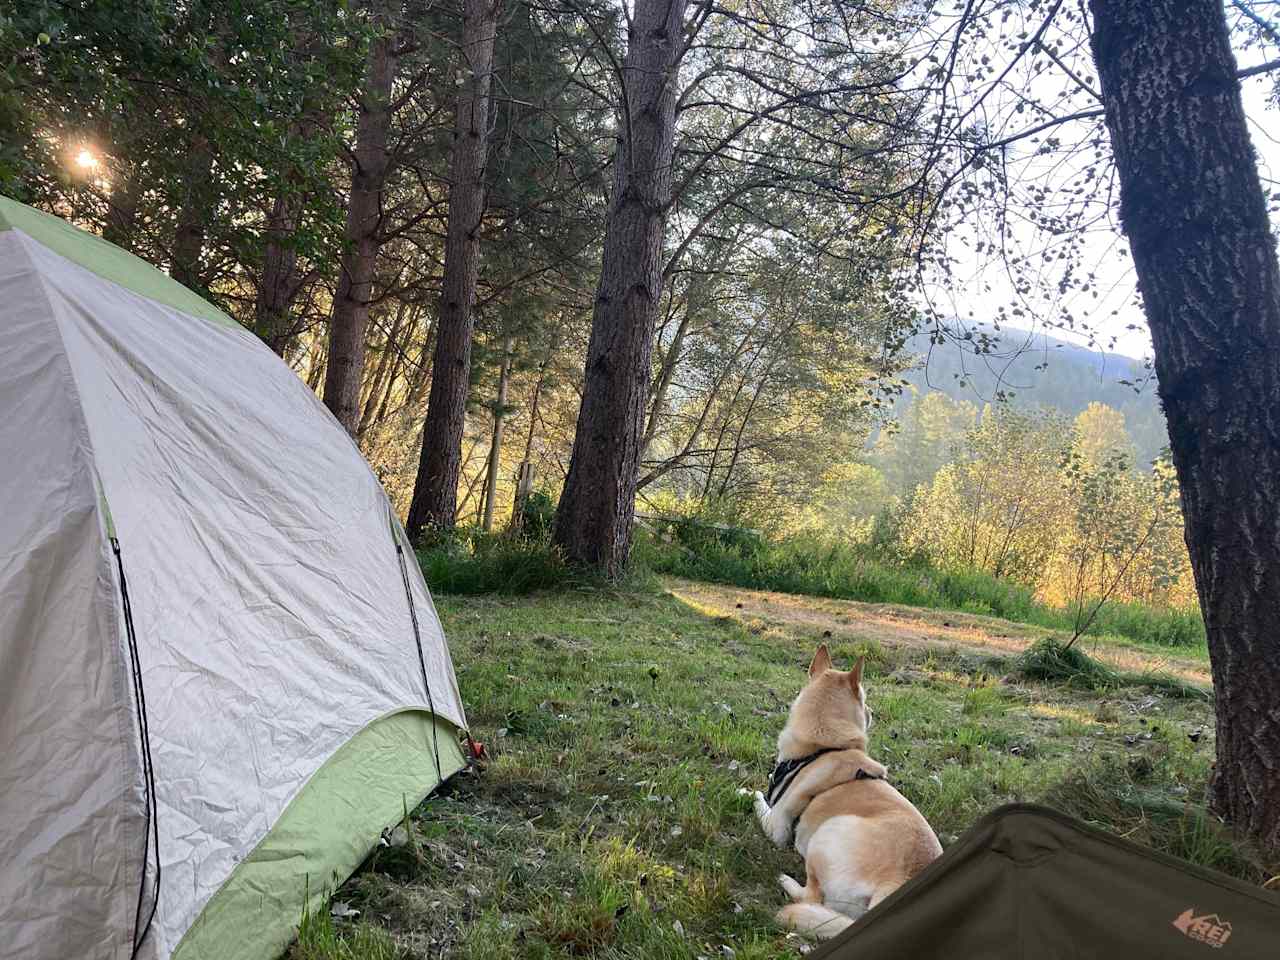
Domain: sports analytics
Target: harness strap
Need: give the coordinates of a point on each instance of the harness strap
(786, 771)
(860, 775)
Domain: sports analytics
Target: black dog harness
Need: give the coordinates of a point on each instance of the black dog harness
(785, 773)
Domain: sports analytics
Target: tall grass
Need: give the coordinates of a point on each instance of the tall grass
(810, 566)
(1051, 661)
(1130, 798)
(470, 562)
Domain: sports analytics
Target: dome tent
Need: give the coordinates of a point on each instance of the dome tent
(221, 673)
(1029, 883)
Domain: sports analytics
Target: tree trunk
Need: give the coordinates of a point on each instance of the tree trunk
(355, 284)
(666, 374)
(471, 484)
(122, 211)
(435, 491)
(316, 365)
(1193, 209)
(280, 282)
(524, 475)
(419, 379)
(380, 415)
(282, 277)
(386, 362)
(524, 489)
(188, 237)
(495, 450)
(593, 520)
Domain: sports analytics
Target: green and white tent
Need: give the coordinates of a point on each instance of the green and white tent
(221, 673)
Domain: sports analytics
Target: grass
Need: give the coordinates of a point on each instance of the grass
(321, 937)
(473, 563)
(1131, 797)
(621, 724)
(1049, 660)
(814, 568)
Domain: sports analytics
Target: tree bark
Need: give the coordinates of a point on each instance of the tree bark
(1193, 208)
(368, 178)
(280, 282)
(495, 449)
(122, 211)
(435, 491)
(375, 396)
(189, 234)
(594, 518)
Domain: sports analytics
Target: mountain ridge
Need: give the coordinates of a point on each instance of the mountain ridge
(1034, 370)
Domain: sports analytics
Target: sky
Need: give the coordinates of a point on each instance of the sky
(980, 282)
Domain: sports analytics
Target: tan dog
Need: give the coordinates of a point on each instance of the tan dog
(860, 838)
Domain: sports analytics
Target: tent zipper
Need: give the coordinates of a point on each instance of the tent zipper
(422, 661)
(152, 832)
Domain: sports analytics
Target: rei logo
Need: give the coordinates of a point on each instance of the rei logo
(1209, 929)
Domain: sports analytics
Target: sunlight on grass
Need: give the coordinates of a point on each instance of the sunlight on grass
(621, 725)
(1060, 712)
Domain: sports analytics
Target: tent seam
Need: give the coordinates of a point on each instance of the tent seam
(127, 716)
(399, 533)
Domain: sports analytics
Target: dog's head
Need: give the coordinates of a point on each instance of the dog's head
(831, 710)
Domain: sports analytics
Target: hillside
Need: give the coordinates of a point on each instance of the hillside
(1035, 370)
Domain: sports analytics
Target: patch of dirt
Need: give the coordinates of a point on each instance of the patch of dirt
(909, 626)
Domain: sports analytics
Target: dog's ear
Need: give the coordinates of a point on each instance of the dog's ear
(821, 661)
(855, 675)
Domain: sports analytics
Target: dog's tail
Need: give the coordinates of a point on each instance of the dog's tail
(813, 918)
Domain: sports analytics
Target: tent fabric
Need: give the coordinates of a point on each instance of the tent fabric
(107, 260)
(1030, 883)
(370, 782)
(264, 571)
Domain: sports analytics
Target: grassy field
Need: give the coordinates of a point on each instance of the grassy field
(621, 725)
(809, 566)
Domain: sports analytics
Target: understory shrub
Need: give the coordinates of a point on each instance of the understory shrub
(473, 562)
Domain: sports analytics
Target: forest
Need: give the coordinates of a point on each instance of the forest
(826, 298)
(327, 217)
